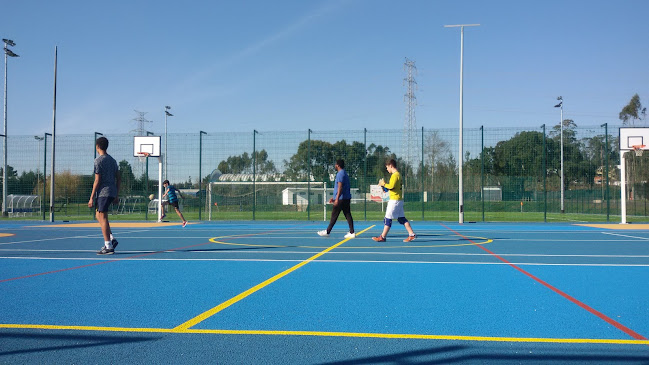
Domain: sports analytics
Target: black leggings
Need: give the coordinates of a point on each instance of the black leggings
(343, 204)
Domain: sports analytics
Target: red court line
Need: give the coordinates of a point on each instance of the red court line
(130, 257)
(599, 314)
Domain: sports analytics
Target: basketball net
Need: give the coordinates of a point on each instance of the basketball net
(143, 156)
(638, 149)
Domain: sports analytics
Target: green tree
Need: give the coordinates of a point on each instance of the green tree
(242, 164)
(633, 111)
(127, 176)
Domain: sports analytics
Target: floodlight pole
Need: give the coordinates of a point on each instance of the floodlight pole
(167, 114)
(8, 52)
(461, 138)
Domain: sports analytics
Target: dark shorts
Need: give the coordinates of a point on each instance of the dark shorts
(174, 204)
(103, 203)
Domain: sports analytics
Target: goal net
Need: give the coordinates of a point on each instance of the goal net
(267, 200)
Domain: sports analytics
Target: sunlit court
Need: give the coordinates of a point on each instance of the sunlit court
(324, 182)
(250, 290)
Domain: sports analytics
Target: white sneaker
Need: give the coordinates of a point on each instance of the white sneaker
(323, 233)
(350, 235)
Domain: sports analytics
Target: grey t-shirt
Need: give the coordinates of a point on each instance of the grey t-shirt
(106, 167)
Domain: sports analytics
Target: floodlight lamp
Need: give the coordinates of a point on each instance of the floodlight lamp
(10, 53)
(167, 107)
(169, 114)
(560, 98)
(8, 42)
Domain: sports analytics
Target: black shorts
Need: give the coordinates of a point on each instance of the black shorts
(174, 204)
(103, 203)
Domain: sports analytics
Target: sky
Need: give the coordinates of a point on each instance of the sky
(320, 64)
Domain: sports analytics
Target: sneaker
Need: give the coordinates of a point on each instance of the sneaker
(106, 251)
(410, 238)
(323, 234)
(379, 239)
(350, 235)
(114, 243)
(163, 217)
(185, 223)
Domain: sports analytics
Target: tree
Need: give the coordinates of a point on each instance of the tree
(127, 176)
(236, 164)
(438, 157)
(243, 164)
(321, 157)
(633, 111)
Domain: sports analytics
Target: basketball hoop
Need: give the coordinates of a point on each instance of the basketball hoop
(143, 156)
(638, 149)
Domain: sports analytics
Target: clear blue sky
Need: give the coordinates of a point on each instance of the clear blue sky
(325, 64)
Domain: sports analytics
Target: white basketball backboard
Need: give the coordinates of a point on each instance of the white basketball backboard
(633, 136)
(150, 144)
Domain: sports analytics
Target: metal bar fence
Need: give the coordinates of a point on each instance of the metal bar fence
(510, 174)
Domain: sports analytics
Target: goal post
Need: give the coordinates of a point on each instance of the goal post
(276, 200)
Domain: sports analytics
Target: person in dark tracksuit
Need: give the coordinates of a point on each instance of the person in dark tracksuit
(341, 201)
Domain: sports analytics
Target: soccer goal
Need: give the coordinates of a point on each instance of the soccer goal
(272, 200)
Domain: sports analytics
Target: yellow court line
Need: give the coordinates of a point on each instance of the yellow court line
(333, 334)
(203, 316)
(487, 240)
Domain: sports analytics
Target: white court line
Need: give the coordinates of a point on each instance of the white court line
(333, 253)
(623, 235)
(337, 261)
(96, 235)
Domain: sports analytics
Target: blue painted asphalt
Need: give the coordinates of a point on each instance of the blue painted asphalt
(441, 284)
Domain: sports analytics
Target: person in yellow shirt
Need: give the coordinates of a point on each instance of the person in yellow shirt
(394, 209)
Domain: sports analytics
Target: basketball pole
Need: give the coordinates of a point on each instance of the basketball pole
(160, 207)
(623, 187)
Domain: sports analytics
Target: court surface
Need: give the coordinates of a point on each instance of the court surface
(276, 293)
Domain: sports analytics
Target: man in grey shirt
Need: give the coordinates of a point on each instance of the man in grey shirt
(106, 190)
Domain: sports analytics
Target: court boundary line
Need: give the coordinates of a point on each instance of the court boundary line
(331, 334)
(344, 261)
(570, 298)
(116, 260)
(207, 314)
(627, 236)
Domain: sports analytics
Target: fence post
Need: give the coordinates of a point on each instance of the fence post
(545, 173)
(308, 178)
(421, 172)
(608, 195)
(254, 173)
(200, 172)
(146, 184)
(365, 171)
(44, 173)
(482, 169)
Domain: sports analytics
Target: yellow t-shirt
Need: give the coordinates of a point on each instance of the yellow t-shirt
(394, 186)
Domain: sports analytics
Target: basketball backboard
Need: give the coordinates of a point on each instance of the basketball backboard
(633, 136)
(149, 144)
